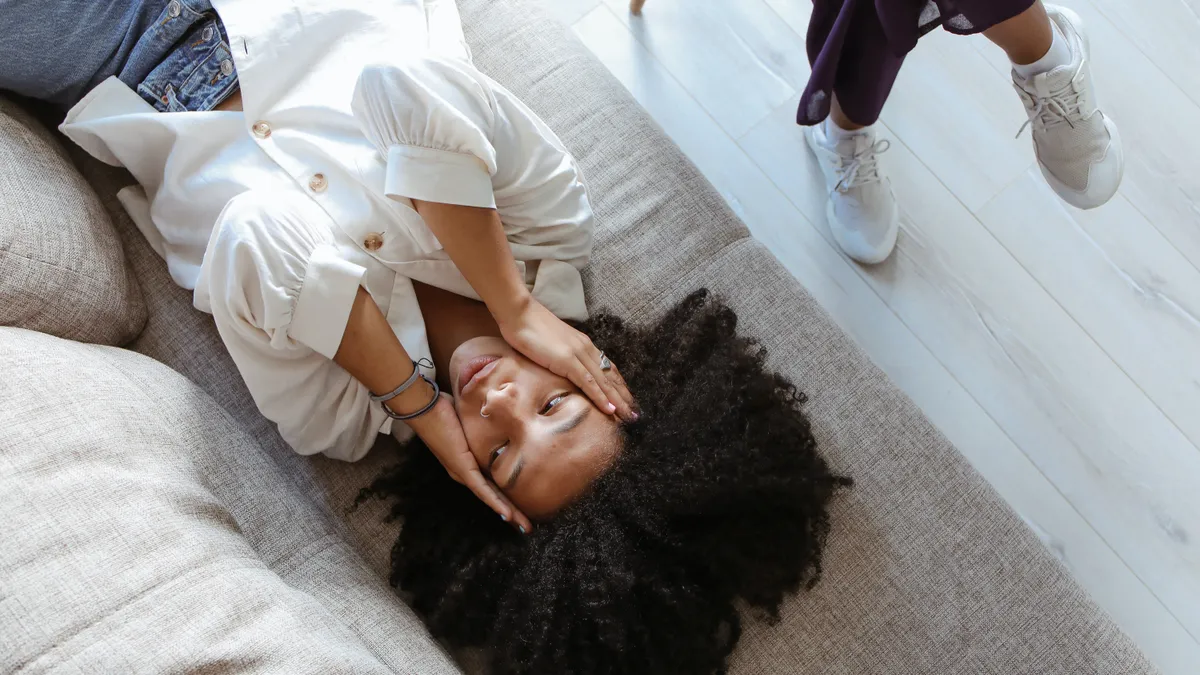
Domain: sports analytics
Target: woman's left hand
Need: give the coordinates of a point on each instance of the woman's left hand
(548, 341)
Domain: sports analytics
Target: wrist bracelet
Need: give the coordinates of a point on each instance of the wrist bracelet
(437, 393)
(412, 379)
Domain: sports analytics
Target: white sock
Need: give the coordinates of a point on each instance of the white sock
(1059, 54)
(835, 133)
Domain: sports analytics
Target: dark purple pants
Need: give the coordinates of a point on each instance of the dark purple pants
(856, 47)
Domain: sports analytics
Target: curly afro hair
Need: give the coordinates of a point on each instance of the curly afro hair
(718, 496)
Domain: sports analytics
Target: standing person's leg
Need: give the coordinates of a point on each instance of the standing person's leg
(57, 50)
(1077, 145)
(854, 67)
(1026, 37)
(856, 48)
(841, 119)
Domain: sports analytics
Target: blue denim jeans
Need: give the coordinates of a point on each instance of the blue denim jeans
(174, 53)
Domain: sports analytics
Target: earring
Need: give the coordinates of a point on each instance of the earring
(483, 414)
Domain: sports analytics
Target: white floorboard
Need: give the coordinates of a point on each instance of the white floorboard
(1059, 350)
(1141, 298)
(1165, 31)
(1162, 169)
(737, 65)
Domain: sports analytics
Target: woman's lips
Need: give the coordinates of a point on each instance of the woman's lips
(475, 370)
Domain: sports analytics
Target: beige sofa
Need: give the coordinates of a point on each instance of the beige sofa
(152, 521)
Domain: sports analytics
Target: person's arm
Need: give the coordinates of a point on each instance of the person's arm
(474, 239)
(439, 126)
(372, 354)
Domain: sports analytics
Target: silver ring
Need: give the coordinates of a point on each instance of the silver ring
(605, 364)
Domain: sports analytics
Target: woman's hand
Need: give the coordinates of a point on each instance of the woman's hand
(442, 433)
(474, 239)
(548, 341)
(371, 352)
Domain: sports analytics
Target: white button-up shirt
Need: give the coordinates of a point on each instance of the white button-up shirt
(277, 214)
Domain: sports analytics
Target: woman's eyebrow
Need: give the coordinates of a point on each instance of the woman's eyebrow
(573, 422)
(512, 479)
(559, 430)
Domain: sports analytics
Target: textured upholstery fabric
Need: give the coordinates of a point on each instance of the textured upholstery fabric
(145, 531)
(927, 570)
(61, 267)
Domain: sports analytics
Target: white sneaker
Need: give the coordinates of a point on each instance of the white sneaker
(861, 209)
(1077, 145)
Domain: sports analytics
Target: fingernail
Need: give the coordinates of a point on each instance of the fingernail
(636, 416)
(504, 517)
(521, 528)
(612, 408)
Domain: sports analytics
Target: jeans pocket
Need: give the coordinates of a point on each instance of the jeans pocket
(196, 75)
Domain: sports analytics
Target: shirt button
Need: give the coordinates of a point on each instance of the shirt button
(374, 241)
(207, 34)
(174, 8)
(318, 183)
(261, 129)
(227, 67)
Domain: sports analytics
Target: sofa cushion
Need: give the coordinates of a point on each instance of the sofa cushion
(144, 531)
(61, 267)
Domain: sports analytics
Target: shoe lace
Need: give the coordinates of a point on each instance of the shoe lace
(1060, 107)
(861, 168)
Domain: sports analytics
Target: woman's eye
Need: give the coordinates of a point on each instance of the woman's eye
(496, 455)
(550, 405)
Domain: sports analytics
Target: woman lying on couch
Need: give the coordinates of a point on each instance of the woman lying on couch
(648, 533)
(304, 165)
(350, 197)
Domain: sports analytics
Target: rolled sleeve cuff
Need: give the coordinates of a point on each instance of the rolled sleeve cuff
(326, 298)
(438, 176)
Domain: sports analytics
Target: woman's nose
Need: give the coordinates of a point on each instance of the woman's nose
(499, 400)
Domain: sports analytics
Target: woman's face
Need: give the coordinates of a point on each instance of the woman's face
(539, 438)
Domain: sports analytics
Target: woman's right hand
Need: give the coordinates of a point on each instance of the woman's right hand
(442, 433)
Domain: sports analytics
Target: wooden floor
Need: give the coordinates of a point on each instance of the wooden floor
(1058, 349)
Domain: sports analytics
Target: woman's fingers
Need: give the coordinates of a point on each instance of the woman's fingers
(623, 389)
(590, 385)
(489, 494)
(614, 387)
(612, 392)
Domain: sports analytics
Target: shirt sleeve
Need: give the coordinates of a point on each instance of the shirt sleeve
(281, 296)
(431, 119)
(451, 135)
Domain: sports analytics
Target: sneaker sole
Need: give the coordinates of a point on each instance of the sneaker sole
(836, 228)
